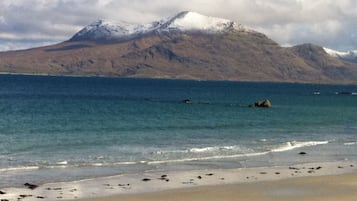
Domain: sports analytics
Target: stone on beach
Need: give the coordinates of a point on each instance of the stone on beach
(30, 186)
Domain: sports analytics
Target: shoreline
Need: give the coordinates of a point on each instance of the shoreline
(156, 183)
(181, 79)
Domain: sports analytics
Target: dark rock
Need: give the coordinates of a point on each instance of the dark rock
(30, 186)
(167, 180)
(293, 168)
(187, 101)
(199, 177)
(277, 173)
(40, 197)
(302, 153)
(2, 193)
(318, 168)
(210, 174)
(4, 200)
(264, 103)
(163, 176)
(263, 173)
(25, 196)
(145, 179)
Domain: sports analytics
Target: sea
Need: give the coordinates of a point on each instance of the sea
(55, 129)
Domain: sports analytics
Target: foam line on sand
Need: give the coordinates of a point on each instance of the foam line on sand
(156, 183)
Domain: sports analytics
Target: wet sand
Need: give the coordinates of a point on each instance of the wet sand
(313, 181)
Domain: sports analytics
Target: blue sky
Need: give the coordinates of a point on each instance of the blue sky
(329, 23)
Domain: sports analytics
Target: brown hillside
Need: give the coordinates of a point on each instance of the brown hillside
(243, 56)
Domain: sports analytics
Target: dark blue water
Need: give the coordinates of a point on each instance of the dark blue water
(67, 128)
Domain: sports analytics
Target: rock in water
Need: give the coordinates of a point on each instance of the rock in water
(187, 101)
(264, 103)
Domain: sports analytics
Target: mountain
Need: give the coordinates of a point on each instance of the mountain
(186, 46)
(348, 56)
(105, 30)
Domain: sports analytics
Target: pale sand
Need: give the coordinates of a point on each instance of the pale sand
(320, 188)
(314, 181)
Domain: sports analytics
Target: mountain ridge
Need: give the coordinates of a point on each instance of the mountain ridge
(186, 21)
(185, 51)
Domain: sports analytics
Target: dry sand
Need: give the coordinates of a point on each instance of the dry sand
(320, 188)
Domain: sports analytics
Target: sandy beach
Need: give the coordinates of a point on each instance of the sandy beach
(320, 188)
(313, 181)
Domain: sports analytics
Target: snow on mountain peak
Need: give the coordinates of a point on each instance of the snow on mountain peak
(107, 30)
(349, 55)
(183, 22)
(191, 21)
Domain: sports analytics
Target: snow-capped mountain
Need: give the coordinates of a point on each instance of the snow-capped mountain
(191, 21)
(183, 22)
(172, 49)
(109, 30)
(349, 55)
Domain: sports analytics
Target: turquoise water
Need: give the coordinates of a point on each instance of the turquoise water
(67, 128)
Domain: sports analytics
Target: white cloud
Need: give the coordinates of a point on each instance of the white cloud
(329, 23)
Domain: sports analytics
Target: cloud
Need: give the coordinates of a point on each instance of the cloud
(328, 23)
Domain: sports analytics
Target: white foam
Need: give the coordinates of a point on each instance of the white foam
(207, 158)
(24, 168)
(62, 163)
(350, 143)
(211, 149)
(294, 145)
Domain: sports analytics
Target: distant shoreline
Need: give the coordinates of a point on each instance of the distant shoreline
(177, 79)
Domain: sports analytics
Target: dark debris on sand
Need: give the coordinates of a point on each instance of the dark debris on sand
(31, 186)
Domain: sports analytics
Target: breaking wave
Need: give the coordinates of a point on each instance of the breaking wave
(295, 145)
(195, 154)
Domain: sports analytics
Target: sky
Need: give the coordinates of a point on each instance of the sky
(329, 23)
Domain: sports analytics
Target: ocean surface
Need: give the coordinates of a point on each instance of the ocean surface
(68, 128)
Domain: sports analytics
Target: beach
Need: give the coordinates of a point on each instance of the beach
(321, 188)
(312, 181)
(66, 138)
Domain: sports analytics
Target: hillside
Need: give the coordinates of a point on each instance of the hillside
(187, 46)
